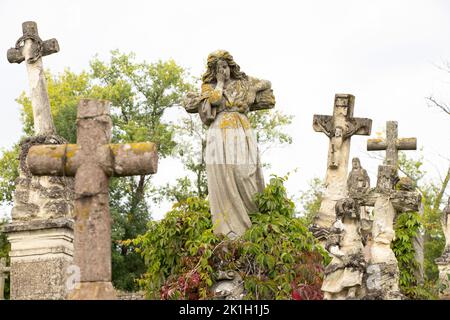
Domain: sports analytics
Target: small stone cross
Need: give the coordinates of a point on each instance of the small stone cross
(92, 161)
(31, 48)
(392, 144)
(403, 199)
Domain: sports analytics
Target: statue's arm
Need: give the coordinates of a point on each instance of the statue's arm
(213, 94)
(264, 98)
(260, 85)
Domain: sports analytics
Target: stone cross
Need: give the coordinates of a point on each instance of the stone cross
(392, 144)
(339, 128)
(92, 161)
(4, 270)
(390, 196)
(31, 48)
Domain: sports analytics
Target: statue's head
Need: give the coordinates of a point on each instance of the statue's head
(221, 59)
(356, 164)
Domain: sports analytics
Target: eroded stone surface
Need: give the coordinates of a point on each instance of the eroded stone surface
(40, 253)
(40, 233)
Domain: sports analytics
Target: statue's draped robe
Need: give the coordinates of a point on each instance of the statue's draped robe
(232, 159)
(344, 276)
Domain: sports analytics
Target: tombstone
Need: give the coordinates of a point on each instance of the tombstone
(41, 231)
(443, 262)
(339, 128)
(4, 270)
(92, 161)
(388, 200)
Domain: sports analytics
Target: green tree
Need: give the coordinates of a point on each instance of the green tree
(310, 200)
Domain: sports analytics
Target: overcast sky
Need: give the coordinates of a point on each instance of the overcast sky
(385, 53)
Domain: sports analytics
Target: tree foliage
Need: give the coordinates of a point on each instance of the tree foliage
(427, 224)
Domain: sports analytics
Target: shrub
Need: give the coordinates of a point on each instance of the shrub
(278, 258)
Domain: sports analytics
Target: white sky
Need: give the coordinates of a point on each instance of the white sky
(383, 52)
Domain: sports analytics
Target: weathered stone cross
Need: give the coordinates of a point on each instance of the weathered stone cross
(389, 197)
(392, 144)
(31, 48)
(4, 270)
(92, 161)
(339, 128)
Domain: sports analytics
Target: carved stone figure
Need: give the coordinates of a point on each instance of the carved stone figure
(344, 274)
(358, 181)
(232, 158)
(358, 185)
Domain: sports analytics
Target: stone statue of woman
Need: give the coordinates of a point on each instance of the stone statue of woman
(233, 164)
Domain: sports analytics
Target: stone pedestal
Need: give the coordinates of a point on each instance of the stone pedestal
(41, 232)
(41, 251)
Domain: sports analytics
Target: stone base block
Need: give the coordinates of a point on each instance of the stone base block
(93, 291)
(41, 252)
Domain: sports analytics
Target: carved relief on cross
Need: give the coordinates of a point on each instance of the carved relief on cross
(92, 161)
(30, 48)
(340, 127)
